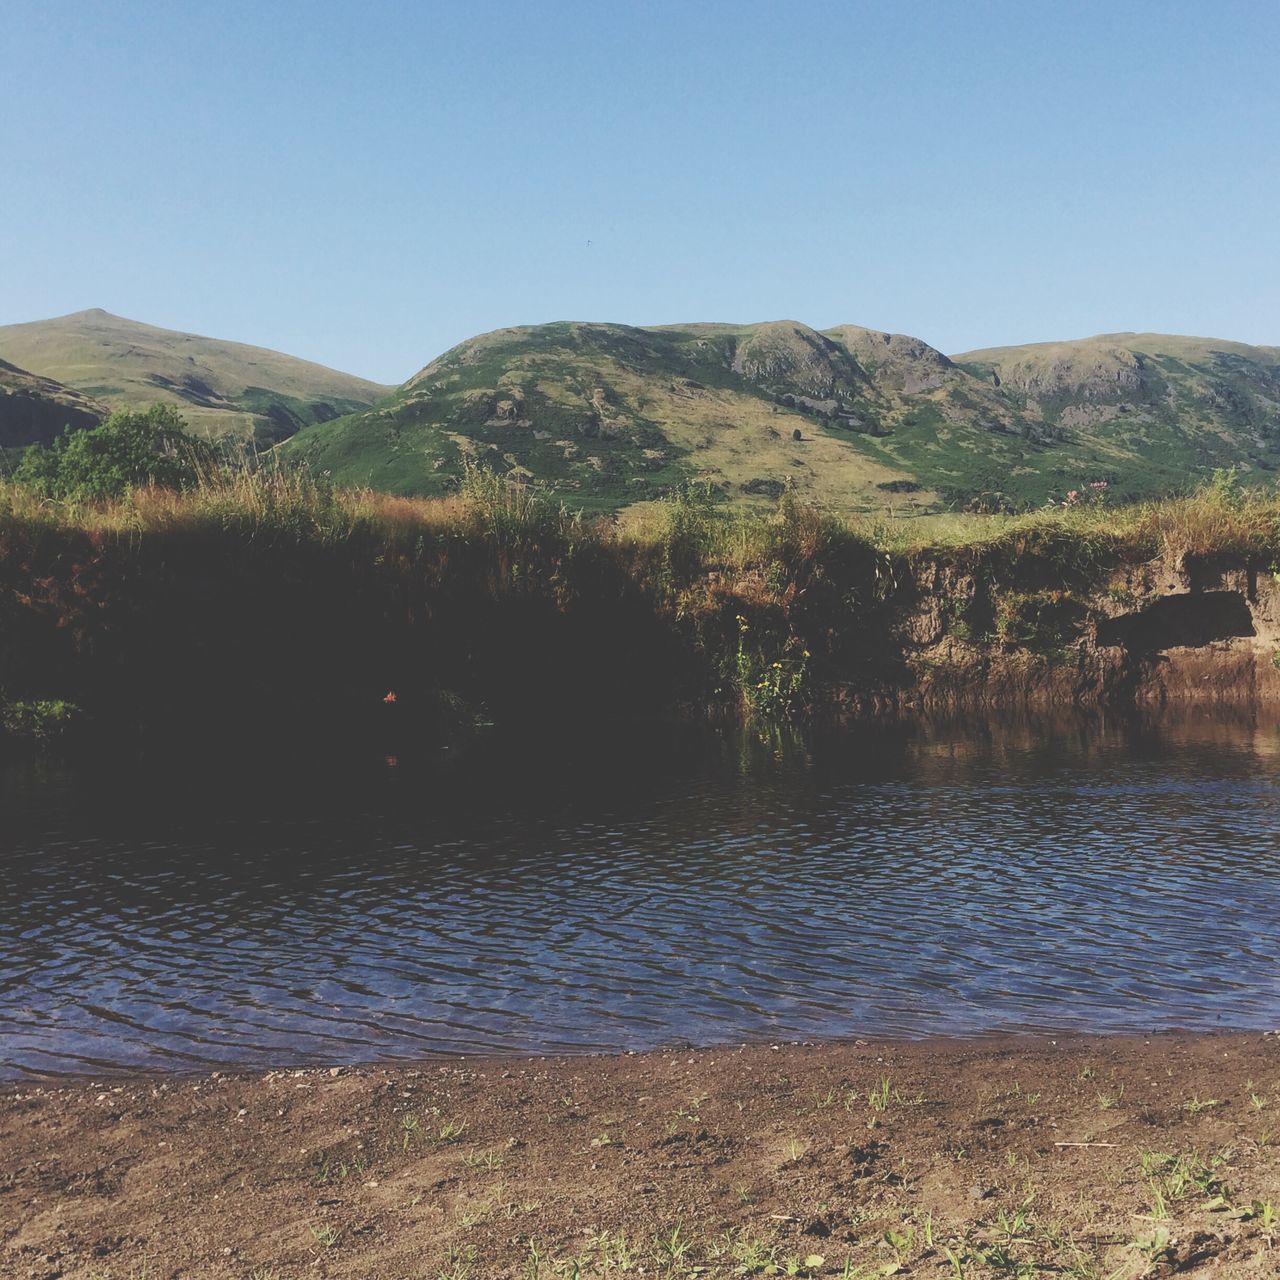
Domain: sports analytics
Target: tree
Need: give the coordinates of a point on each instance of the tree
(131, 449)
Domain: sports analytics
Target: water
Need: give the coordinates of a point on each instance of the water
(642, 890)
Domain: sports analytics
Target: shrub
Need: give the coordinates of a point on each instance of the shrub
(41, 721)
(690, 526)
(132, 449)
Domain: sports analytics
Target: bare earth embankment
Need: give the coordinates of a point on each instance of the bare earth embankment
(1101, 1157)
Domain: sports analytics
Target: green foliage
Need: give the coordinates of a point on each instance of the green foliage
(772, 688)
(40, 721)
(1044, 622)
(129, 450)
(690, 526)
(515, 513)
(1224, 487)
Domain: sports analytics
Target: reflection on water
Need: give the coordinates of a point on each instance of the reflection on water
(670, 887)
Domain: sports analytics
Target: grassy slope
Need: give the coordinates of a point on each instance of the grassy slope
(609, 416)
(33, 408)
(1158, 410)
(221, 387)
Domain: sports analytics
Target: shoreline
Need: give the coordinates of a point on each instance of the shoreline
(933, 1043)
(1123, 1154)
(270, 608)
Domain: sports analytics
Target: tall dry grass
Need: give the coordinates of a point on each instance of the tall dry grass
(688, 533)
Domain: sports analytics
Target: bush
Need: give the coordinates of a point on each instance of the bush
(130, 450)
(690, 525)
(42, 721)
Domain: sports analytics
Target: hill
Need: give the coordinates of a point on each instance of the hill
(1165, 401)
(608, 415)
(36, 410)
(221, 387)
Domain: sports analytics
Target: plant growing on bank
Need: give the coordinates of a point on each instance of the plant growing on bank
(769, 689)
(878, 1097)
(41, 721)
(691, 523)
(132, 449)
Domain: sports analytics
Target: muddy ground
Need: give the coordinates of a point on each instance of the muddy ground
(1083, 1157)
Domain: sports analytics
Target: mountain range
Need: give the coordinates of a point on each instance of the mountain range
(608, 415)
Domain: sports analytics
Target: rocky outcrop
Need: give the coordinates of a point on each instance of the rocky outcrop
(896, 360)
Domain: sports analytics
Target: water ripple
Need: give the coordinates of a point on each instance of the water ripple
(951, 893)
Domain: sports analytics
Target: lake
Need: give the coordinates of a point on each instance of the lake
(641, 887)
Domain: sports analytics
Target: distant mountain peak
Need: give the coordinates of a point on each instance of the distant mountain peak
(220, 387)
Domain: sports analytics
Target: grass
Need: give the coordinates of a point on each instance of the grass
(325, 1236)
(269, 599)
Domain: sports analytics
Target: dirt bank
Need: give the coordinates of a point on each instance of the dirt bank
(274, 612)
(1078, 1156)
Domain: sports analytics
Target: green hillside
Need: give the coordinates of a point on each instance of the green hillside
(1159, 404)
(221, 387)
(37, 410)
(609, 415)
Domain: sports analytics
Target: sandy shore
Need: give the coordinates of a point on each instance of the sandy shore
(1084, 1157)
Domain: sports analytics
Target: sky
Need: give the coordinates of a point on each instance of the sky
(367, 184)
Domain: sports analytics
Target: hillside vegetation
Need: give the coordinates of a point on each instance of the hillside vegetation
(609, 416)
(222, 388)
(35, 410)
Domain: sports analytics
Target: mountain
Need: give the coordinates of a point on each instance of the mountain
(606, 415)
(1169, 403)
(221, 387)
(37, 410)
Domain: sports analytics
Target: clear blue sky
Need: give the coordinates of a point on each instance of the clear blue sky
(365, 184)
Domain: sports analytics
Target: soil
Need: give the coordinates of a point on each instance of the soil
(1106, 1157)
